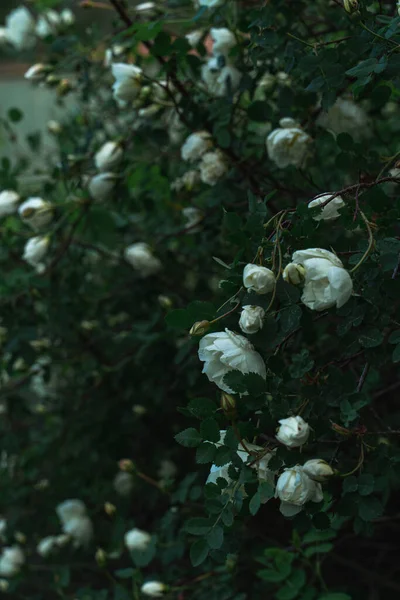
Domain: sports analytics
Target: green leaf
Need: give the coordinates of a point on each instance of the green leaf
(222, 456)
(201, 408)
(15, 115)
(259, 111)
(198, 552)
(205, 453)
(371, 338)
(198, 526)
(350, 484)
(209, 430)
(366, 484)
(345, 141)
(179, 318)
(215, 537)
(255, 503)
(370, 508)
(318, 549)
(295, 582)
(396, 354)
(319, 536)
(290, 318)
(190, 438)
(124, 573)
(394, 337)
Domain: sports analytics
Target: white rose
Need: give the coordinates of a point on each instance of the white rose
(128, 83)
(193, 217)
(80, 529)
(20, 27)
(11, 560)
(226, 351)
(213, 167)
(194, 37)
(142, 259)
(251, 319)
(317, 469)
(293, 432)
(146, 7)
(67, 17)
(109, 155)
(36, 213)
(47, 24)
(100, 186)
(294, 488)
(70, 509)
(346, 117)
(47, 545)
(223, 40)
(37, 72)
(293, 274)
(123, 483)
(220, 80)
(258, 279)
(187, 181)
(288, 145)
(35, 250)
(330, 211)
(196, 145)
(136, 539)
(326, 283)
(9, 201)
(154, 589)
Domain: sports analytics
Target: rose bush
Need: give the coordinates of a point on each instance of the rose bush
(179, 224)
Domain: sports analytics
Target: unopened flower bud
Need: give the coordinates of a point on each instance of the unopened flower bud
(54, 127)
(109, 508)
(317, 469)
(52, 80)
(164, 301)
(127, 465)
(293, 274)
(101, 557)
(228, 405)
(350, 6)
(37, 72)
(20, 537)
(200, 328)
(64, 87)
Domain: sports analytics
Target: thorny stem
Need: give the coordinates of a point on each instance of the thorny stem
(151, 481)
(225, 314)
(370, 243)
(277, 248)
(359, 464)
(240, 439)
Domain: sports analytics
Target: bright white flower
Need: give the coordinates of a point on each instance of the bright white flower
(288, 145)
(36, 212)
(154, 589)
(3, 36)
(70, 509)
(37, 72)
(47, 24)
(193, 217)
(294, 488)
(346, 117)
(9, 201)
(258, 279)
(100, 186)
(317, 469)
(251, 319)
(293, 274)
(224, 40)
(210, 3)
(220, 81)
(20, 27)
(123, 483)
(331, 210)
(67, 17)
(36, 249)
(146, 7)
(326, 283)
(196, 145)
(47, 545)
(187, 181)
(213, 167)
(54, 127)
(80, 529)
(293, 432)
(142, 259)
(194, 37)
(109, 155)
(128, 83)
(11, 560)
(225, 351)
(136, 539)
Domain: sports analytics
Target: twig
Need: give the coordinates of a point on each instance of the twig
(370, 243)
(363, 377)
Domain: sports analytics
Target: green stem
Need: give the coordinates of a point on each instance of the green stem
(370, 243)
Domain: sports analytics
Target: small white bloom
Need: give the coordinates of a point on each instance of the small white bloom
(187, 181)
(293, 274)
(265, 84)
(37, 72)
(136, 539)
(54, 127)
(9, 201)
(128, 83)
(35, 250)
(288, 144)
(62, 540)
(258, 279)
(109, 155)
(293, 432)
(224, 40)
(70, 509)
(346, 117)
(149, 111)
(225, 351)
(36, 212)
(326, 283)
(123, 483)
(331, 210)
(20, 27)
(80, 529)
(154, 589)
(11, 560)
(317, 469)
(210, 3)
(142, 259)
(47, 545)
(251, 319)
(220, 80)
(100, 186)
(213, 167)
(196, 145)
(146, 7)
(193, 217)
(194, 37)
(294, 488)
(67, 17)
(47, 24)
